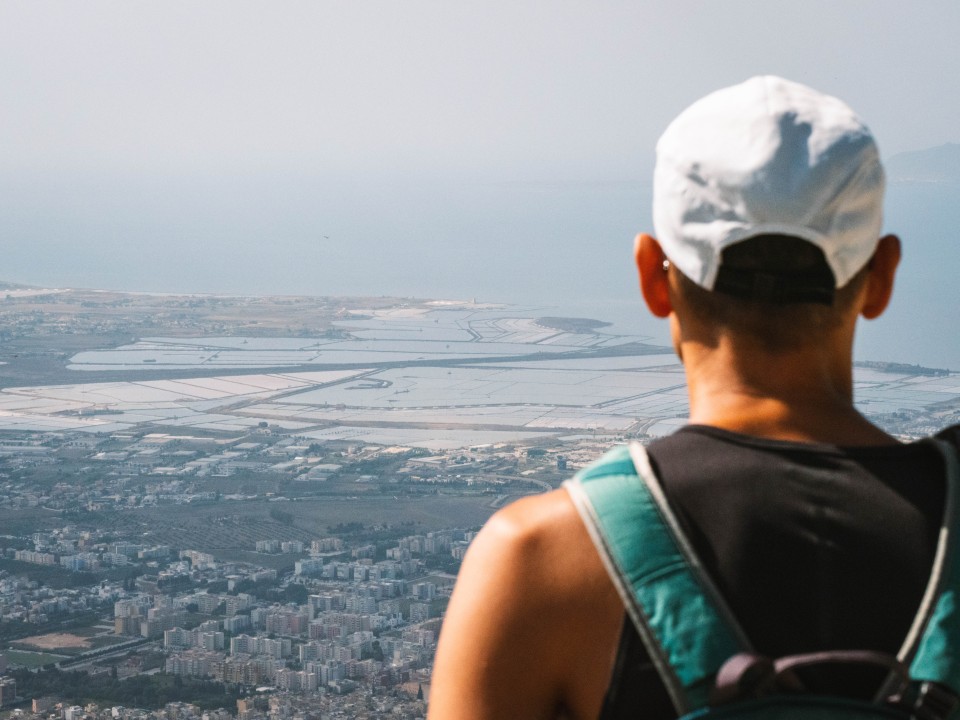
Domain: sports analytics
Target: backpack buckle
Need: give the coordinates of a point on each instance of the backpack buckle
(928, 701)
(935, 702)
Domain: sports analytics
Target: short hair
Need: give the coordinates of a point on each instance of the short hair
(754, 303)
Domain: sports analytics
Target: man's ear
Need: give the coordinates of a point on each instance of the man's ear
(883, 268)
(654, 277)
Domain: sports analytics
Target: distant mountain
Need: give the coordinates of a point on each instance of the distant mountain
(935, 165)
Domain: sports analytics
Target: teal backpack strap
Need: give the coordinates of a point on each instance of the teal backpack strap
(683, 621)
(932, 648)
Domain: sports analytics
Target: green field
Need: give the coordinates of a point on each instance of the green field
(31, 659)
(233, 528)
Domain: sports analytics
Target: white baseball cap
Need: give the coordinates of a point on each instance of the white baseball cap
(767, 157)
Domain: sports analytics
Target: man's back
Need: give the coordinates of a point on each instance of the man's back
(547, 634)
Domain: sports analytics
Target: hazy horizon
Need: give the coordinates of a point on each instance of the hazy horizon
(492, 151)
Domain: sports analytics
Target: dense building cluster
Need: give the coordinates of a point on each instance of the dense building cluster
(365, 626)
(330, 625)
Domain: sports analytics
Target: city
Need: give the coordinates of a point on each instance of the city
(270, 547)
(235, 515)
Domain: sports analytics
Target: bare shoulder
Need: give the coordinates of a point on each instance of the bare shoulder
(533, 615)
(532, 557)
(543, 539)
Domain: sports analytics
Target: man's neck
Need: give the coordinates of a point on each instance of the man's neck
(803, 395)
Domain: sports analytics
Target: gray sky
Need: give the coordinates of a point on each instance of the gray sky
(486, 90)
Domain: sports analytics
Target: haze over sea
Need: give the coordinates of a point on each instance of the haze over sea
(562, 247)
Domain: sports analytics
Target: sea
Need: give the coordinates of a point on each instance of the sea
(551, 248)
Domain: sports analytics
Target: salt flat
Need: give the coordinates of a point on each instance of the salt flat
(436, 376)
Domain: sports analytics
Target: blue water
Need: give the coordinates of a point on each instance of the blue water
(563, 247)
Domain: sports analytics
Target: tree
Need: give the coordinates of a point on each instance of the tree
(296, 593)
(281, 516)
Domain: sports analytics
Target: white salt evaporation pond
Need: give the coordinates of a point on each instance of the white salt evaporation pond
(439, 377)
(392, 336)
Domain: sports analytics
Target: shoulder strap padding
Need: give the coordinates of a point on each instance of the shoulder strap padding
(933, 646)
(684, 623)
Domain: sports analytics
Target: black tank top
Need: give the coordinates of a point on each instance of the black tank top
(813, 547)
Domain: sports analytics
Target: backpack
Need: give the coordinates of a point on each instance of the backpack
(704, 659)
